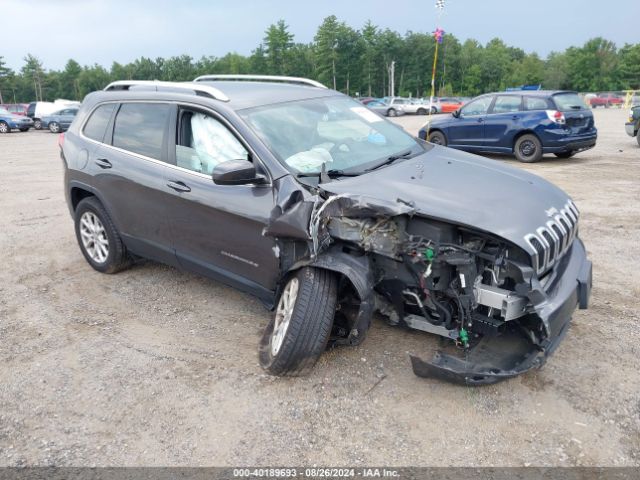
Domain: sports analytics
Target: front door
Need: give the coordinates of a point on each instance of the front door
(502, 123)
(467, 130)
(217, 229)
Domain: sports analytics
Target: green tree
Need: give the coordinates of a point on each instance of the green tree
(277, 43)
(5, 76)
(326, 51)
(628, 71)
(33, 73)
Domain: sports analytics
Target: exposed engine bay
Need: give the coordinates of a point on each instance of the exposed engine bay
(474, 289)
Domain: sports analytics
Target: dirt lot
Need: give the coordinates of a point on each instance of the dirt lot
(154, 366)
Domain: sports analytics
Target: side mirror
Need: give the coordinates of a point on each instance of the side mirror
(236, 172)
(456, 113)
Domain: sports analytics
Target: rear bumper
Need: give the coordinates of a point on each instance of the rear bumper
(631, 129)
(510, 354)
(561, 142)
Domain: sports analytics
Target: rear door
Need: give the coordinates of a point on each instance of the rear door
(467, 130)
(129, 172)
(217, 229)
(503, 122)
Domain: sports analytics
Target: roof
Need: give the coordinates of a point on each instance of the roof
(246, 94)
(533, 93)
(235, 95)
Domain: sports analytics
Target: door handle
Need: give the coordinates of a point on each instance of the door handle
(103, 163)
(516, 117)
(179, 186)
(480, 120)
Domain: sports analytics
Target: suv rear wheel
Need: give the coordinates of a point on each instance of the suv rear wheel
(37, 124)
(528, 148)
(98, 237)
(300, 329)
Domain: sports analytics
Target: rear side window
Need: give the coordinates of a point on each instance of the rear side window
(97, 125)
(507, 104)
(140, 128)
(534, 103)
(569, 101)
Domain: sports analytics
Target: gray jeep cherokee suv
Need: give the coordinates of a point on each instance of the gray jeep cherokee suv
(327, 212)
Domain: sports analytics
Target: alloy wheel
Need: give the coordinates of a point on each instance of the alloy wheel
(284, 311)
(94, 237)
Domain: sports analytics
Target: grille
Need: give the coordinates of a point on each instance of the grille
(551, 240)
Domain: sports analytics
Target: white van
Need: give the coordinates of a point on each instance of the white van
(37, 110)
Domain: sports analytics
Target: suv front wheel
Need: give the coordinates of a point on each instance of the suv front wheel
(300, 329)
(98, 237)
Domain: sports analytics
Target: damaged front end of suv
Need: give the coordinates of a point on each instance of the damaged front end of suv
(484, 255)
(503, 306)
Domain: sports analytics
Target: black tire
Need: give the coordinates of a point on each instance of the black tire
(565, 154)
(421, 111)
(37, 124)
(54, 127)
(4, 127)
(638, 138)
(528, 148)
(434, 110)
(306, 335)
(117, 258)
(24, 129)
(438, 138)
(392, 112)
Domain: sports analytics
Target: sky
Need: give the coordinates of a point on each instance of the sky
(103, 31)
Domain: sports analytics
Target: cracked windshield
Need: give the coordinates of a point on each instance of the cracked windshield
(338, 133)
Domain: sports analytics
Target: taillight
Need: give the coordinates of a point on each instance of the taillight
(61, 140)
(556, 116)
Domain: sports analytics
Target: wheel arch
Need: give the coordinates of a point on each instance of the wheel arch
(357, 271)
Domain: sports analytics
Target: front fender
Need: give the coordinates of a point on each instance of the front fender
(357, 269)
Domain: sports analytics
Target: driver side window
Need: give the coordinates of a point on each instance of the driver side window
(477, 107)
(203, 142)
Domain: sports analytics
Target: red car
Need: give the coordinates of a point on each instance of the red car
(16, 108)
(606, 100)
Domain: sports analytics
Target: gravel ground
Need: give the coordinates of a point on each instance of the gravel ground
(155, 367)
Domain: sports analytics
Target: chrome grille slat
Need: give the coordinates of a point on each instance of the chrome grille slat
(552, 240)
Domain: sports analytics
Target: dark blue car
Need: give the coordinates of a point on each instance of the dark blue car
(526, 124)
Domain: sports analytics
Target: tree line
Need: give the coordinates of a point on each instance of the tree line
(355, 61)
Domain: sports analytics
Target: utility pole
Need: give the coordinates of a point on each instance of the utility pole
(392, 79)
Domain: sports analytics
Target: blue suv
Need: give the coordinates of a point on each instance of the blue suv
(525, 124)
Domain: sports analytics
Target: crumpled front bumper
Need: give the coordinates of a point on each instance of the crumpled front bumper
(497, 358)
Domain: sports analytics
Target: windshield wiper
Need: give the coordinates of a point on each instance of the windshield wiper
(330, 173)
(390, 160)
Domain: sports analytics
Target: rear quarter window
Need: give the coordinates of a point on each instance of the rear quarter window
(96, 126)
(565, 102)
(140, 128)
(535, 103)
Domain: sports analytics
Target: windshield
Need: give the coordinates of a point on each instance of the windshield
(569, 101)
(336, 132)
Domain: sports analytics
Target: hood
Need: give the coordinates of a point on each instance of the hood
(463, 189)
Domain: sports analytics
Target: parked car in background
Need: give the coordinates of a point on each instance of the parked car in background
(16, 108)
(366, 100)
(37, 110)
(448, 104)
(633, 125)
(59, 121)
(397, 104)
(10, 121)
(526, 124)
(606, 100)
(385, 109)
